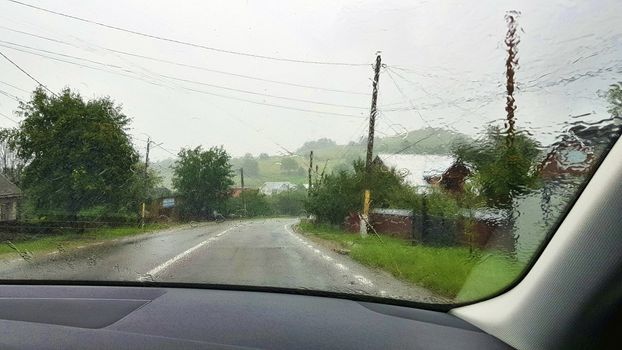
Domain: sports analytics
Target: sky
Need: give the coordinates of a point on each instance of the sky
(443, 66)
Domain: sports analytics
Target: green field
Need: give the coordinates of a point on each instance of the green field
(452, 272)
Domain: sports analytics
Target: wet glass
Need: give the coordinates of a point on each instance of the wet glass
(231, 145)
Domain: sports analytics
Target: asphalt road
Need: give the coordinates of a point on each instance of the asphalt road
(251, 252)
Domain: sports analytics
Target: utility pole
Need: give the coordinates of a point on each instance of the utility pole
(147, 154)
(242, 193)
(511, 41)
(310, 171)
(370, 148)
(142, 212)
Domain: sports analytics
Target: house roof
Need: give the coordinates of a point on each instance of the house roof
(269, 186)
(8, 189)
(416, 167)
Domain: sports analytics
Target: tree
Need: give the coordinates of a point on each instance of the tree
(203, 179)
(290, 202)
(315, 145)
(11, 165)
(250, 165)
(78, 155)
(614, 97)
(337, 194)
(256, 204)
(502, 170)
(263, 156)
(289, 165)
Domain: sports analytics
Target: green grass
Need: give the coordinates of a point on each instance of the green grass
(47, 243)
(452, 272)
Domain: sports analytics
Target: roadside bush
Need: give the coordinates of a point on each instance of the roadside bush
(256, 204)
(336, 195)
(288, 203)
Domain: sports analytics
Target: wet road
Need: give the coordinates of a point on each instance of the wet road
(252, 252)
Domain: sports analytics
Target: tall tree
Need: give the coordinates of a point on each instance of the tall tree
(79, 155)
(289, 165)
(203, 179)
(614, 97)
(11, 165)
(502, 170)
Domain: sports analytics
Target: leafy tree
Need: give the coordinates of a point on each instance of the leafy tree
(502, 170)
(250, 165)
(289, 202)
(337, 194)
(614, 97)
(204, 179)
(315, 145)
(160, 192)
(289, 165)
(263, 156)
(301, 171)
(256, 204)
(11, 165)
(78, 155)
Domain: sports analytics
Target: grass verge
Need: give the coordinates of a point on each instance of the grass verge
(452, 272)
(46, 243)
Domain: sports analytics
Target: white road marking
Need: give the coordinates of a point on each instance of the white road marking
(364, 280)
(341, 267)
(153, 272)
(361, 279)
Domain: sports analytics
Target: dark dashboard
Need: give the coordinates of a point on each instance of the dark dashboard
(106, 317)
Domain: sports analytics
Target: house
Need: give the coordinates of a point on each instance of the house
(567, 164)
(10, 194)
(578, 151)
(426, 171)
(272, 188)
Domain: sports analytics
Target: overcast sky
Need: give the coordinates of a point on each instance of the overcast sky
(445, 59)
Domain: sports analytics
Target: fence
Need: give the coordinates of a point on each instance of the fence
(437, 230)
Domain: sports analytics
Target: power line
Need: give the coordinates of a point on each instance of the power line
(180, 42)
(405, 97)
(165, 150)
(15, 87)
(77, 64)
(262, 94)
(197, 67)
(61, 54)
(23, 71)
(194, 90)
(54, 40)
(9, 118)
(10, 95)
(412, 144)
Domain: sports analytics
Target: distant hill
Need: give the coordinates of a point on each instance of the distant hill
(329, 156)
(422, 141)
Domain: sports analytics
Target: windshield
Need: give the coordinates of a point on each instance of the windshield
(411, 150)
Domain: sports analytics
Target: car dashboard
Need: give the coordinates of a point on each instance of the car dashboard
(134, 317)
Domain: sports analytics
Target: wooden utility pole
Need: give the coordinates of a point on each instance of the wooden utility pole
(370, 148)
(242, 193)
(310, 171)
(511, 41)
(142, 211)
